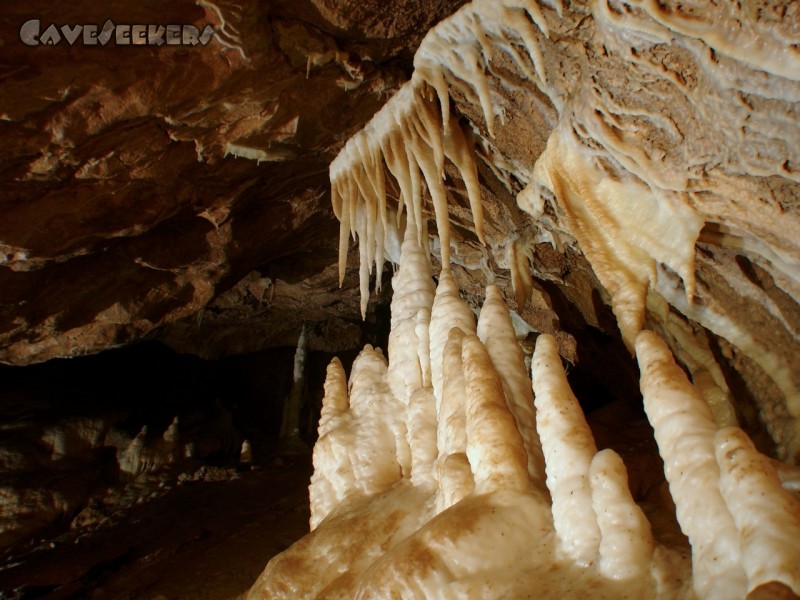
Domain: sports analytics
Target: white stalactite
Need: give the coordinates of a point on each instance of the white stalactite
(409, 136)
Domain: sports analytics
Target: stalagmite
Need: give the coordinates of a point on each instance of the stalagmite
(422, 436)
(448, 311)
(766, 516)
(409, 346)
(568, 450)
(451, 319)
(467, 520)
(626, 541)
(372, 405)
(521, 281)
(496, 331)
(133, 460)
(335, 401)
(170, 441)
(440, 475)
(684, 430)
(246, 454)
(453, 470)
(290, 422)
(786, 432)
(335, 404)
(346, 460)
(706, 373)
(494, 446)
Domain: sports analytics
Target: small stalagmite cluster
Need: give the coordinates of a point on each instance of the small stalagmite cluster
(443, 469)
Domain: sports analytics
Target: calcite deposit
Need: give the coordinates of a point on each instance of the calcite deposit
(650, 151)
(392, 517)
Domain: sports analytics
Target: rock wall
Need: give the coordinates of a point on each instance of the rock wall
(142, 182)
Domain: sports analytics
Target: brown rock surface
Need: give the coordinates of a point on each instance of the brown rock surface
(124, 204)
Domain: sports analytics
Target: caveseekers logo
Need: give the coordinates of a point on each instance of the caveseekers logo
(31, 33)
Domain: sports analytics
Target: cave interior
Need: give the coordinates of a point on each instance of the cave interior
(471, 269)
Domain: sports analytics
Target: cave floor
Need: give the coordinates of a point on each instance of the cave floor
(208, 539)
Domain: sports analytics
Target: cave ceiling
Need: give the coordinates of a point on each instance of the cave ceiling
(141, 183)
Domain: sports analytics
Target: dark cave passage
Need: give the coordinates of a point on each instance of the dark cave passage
(82, 520)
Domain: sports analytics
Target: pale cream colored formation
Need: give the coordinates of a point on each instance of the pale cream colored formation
(407, 136)
(494, 446)
(765, 514)
(684, 430)
(335, 404)
(626, 540)
(409, 356)
(653, 167)
(452, 467)
(469, 520)
(482, 526)
(623, 243)
(451, 319)
(346, 461)
(742, 525)
(568, 450)
(441, 475)
(496, 331)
